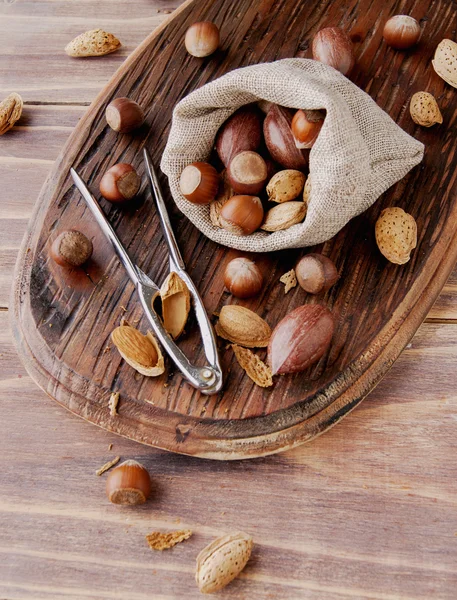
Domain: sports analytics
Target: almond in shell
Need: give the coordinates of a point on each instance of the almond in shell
(424, 110)
(445, 61)
(92, 43)
(242, 326)
(221, 561)
(142, 352)
(255, 368)
(175, 297)
(284, 216)
(10, 112)
(225, 193)
(396, 234)
(285, 185)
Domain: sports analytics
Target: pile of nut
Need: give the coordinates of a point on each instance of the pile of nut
(261, 157)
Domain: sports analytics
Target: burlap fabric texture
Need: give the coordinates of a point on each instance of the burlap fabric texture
(360, 151)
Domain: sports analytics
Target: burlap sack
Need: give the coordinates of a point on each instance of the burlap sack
(360, 151)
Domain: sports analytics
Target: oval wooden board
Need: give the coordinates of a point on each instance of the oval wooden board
(62, 320)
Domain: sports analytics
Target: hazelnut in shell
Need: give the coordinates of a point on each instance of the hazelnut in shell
(202, 39)
(316, 273)
(401, 32)
(247, 173)
(306, 126)
(120, 183)
(242, 215)
(199, 183)
(124, 115)
(71, 249)
(243, 278)
(128, 484)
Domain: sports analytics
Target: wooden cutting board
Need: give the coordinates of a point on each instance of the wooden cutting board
(62, 319)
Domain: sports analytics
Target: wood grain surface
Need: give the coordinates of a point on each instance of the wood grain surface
(63, 320)
(365, 511)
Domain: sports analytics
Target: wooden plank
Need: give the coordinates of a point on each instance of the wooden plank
(378, 307)
(34, 36)
(362, 512)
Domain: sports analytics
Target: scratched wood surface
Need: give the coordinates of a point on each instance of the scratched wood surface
(63, 320)
(365, 511)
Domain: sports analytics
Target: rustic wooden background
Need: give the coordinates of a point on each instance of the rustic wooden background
(366, 511)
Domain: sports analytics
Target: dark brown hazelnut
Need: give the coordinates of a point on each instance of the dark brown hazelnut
(124, 115)
(242, 131)
(71, 249)
(120, 183)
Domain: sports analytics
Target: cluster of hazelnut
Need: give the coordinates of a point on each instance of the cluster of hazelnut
(266, 159)
(119, 184)
(263, 159)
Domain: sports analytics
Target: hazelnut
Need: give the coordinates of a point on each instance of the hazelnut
(247, 173)
(316, 273)
(129, 483)
(306, 126)
(401, 32)
(242, 215)
(243, 278)
(124, 115)
(120, 183)
(199, 183)
(202, 39)
(71, 249)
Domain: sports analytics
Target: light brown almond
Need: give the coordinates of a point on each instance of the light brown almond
(225, 192)
(255, 368)
(284, 216)
(10, 112)
(221, 561)
(92, 43)
(141, 352)
(445, 61)
(242, 326)
(285, 185)
(175, 304)
(424, 109)
(289, 280)
(396, 234)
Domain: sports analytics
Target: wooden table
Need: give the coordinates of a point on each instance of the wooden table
(366, 511)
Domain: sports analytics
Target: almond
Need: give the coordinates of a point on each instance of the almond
(175, 297)
(396, 234)
(141, 352)
(445, 61)
(242, 326)
(285, 185)
(289, 280)
(256, 369)
(300, 339)
(10, 112)
(225, 193)
(424, 109)
(93, 43)
(221, 561)
(284, 216)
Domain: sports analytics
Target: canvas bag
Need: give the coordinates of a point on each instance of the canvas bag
(359, 153)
